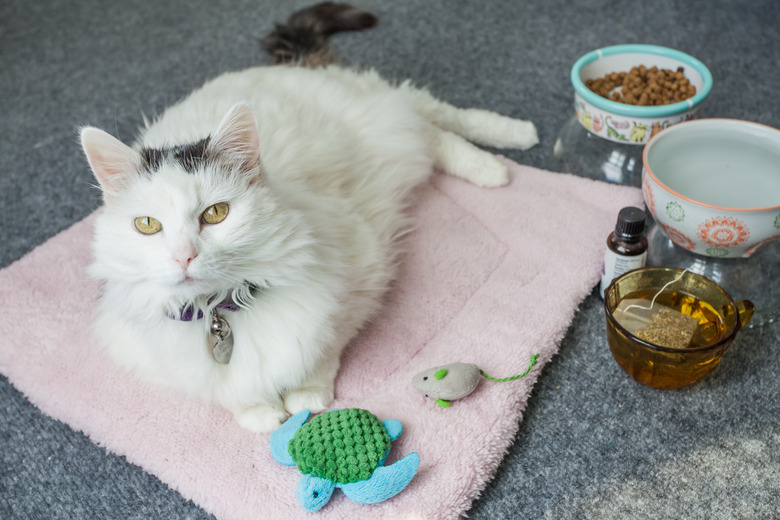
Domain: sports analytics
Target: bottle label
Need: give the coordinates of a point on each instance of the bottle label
(615, 265)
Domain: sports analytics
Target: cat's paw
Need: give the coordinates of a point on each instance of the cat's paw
(261, 418)
(460, 158)
(315, 399)
(521, 134)
(506, 132)
(480, 168)
(490, 173)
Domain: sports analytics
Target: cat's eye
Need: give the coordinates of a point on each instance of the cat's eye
(216, 213)
(147, 225)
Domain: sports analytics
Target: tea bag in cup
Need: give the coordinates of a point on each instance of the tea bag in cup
(656, 323)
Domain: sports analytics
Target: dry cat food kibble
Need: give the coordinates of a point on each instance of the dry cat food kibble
(643, 86)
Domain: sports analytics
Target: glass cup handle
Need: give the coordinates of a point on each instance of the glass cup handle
(745, 309)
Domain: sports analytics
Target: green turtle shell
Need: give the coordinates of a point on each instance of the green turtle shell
(342, 446)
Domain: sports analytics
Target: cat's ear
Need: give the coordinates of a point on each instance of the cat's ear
(237, 141)
(112, 161)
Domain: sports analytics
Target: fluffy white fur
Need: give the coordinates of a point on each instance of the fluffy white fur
(317, 168)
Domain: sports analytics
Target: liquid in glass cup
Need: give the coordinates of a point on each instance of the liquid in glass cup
(719, 319)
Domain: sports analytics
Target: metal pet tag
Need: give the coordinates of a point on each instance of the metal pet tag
(220, 339)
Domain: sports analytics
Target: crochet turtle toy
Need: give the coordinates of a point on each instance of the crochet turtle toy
(344, 449)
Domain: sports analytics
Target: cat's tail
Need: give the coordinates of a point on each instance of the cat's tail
(303, 40)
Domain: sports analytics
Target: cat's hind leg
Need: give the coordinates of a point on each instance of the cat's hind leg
(460, 158)
(476, 125)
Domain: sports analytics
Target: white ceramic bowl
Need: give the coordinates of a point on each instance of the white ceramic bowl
(713, 185)
(633, 124)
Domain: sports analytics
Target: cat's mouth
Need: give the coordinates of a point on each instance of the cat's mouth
(191, 286)
(189, 282)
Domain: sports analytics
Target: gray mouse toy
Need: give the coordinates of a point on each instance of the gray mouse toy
(449, 382)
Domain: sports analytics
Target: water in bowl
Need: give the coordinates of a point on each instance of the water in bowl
(732, 170)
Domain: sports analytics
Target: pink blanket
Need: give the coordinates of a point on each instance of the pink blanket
(492, 276)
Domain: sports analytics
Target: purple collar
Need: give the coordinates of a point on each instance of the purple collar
(187, 313)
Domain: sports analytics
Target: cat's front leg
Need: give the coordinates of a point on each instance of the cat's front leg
(316, 393)
(261, 418)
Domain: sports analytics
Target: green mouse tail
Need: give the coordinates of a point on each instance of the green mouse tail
(533, 362)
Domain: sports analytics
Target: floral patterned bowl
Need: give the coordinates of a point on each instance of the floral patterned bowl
(713, 185)
(632, 124)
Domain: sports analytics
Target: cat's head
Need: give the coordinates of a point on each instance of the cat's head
(190, 221)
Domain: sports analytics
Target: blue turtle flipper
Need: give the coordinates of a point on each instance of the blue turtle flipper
(385, 482)
(282, 436)
(314, 492)
(393, 427)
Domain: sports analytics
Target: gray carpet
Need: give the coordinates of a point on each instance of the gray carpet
(593, 444)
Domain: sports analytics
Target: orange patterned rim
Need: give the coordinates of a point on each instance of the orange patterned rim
(647, 191)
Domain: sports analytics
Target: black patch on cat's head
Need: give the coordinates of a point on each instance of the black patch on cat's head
(189, 156)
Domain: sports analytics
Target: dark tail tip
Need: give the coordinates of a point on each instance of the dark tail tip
(330, 17)
(303, 39)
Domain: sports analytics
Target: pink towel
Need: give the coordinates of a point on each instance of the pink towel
(492, 276)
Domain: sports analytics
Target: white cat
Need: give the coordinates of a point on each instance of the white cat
(270, 201)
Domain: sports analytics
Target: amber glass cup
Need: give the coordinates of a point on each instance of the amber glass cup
(664, 367)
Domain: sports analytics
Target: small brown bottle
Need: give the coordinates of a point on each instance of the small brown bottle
(626, 246)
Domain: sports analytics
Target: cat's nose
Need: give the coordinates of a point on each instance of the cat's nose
(184, 255)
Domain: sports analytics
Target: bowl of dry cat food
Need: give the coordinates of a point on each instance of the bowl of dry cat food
(713, 185)
(628, 93)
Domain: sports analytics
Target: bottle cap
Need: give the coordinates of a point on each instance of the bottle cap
(630, 224)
